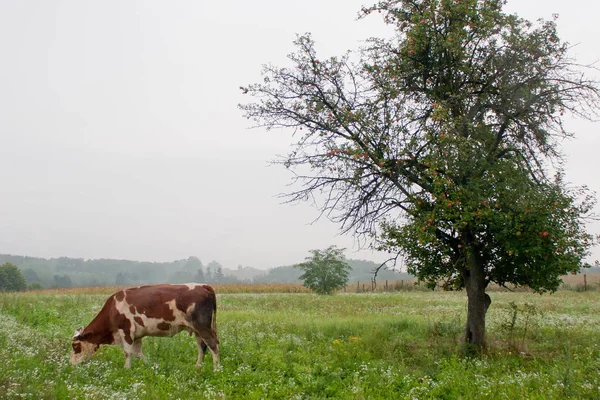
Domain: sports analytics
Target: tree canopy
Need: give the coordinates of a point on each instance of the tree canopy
(441, 145)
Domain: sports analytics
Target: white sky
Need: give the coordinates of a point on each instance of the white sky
(120, 135)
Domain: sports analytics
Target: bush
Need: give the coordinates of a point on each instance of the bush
(35, 286)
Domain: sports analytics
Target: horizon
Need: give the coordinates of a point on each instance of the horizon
(204, 263)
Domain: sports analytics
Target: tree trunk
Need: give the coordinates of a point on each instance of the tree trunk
(478, 303)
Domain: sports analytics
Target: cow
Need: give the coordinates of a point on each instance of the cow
(152, 310)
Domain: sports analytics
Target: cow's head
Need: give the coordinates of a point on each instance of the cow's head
(82, 349)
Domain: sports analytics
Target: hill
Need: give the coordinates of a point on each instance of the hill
(73, 272)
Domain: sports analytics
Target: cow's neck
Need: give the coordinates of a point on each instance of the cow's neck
(98, 331)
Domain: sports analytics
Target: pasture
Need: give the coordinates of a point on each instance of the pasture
(302, 346)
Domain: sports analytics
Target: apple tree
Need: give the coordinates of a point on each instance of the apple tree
(441, 145)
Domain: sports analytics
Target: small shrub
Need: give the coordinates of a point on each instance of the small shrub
(35, 286)
(517, 329)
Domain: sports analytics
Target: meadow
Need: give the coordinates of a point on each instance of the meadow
(400, 345)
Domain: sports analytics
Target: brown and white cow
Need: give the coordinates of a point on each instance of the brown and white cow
(153, 310)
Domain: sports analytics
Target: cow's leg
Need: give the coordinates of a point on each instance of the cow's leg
(127, 359)
(128, 347)
(137, 350)
(210, 338)
(201, 350)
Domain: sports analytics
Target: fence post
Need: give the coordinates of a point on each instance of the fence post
(363, 287)
(357, 286)
(584, 282)
(386, 286)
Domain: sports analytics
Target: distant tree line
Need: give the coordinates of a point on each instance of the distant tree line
(65, 272)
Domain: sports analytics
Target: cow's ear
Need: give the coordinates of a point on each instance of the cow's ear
(77, 334)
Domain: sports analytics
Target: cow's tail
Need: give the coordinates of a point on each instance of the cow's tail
(213, 322)
(214, 317)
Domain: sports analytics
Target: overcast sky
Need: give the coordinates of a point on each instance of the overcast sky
(120, 135)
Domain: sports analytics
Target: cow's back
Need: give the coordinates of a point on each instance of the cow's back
(154, 300)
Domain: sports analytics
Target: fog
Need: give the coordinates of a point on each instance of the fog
(120, 135)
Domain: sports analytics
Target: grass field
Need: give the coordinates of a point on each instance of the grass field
(302, 346)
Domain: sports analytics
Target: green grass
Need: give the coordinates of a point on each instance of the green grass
(303, 346)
